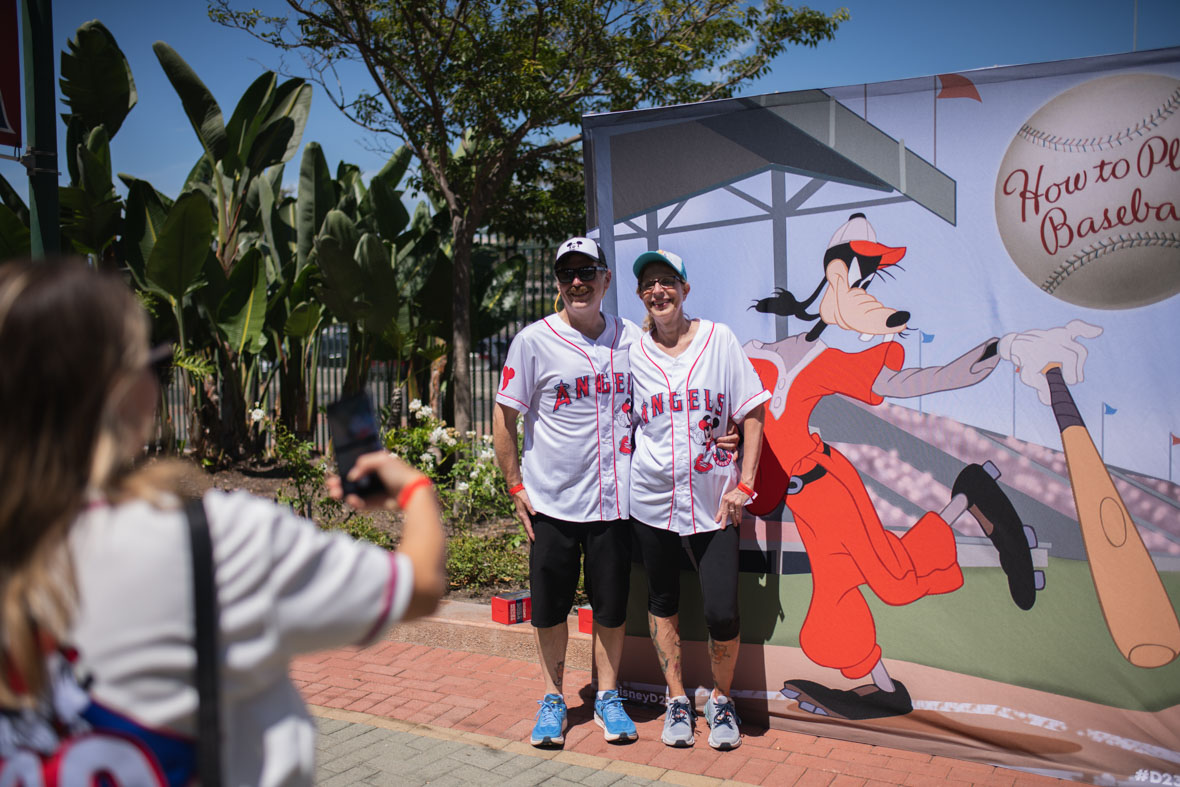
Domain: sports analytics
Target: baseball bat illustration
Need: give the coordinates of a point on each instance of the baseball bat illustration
(1138, 612)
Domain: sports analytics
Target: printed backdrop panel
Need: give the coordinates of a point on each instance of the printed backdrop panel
(961, 291)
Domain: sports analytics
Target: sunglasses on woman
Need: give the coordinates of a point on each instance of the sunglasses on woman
(667, 282)
(589, 273)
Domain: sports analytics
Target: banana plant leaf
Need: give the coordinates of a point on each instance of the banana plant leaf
(143, 220)
(315, 198)
(199, 105)
(14, 235)
(96, 81)
(179, 254)
(241, 313)
(12, 200)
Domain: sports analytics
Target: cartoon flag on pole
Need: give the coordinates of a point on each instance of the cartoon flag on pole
(926, 337)
(1108, 410)
(957, 86)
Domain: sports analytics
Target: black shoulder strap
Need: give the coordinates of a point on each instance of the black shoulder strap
(205, 603)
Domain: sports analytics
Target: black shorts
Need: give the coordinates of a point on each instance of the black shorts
(715, 555)
(555, 560)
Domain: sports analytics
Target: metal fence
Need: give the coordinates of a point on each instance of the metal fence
(537, 297)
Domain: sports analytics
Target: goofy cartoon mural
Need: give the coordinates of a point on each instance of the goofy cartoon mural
(846, 544)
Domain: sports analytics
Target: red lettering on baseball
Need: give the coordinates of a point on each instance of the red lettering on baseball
(1053, 229)
(1114, 172)
(674, 402)
(1156, 151)
(1057, 232)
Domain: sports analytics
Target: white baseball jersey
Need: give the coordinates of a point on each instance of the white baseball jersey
(284, 586)
(678, 474)
(575, 394)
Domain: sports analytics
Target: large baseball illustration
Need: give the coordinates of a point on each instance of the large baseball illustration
(1088, 193)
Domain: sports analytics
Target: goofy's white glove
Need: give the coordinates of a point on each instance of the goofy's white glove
(1032, 351)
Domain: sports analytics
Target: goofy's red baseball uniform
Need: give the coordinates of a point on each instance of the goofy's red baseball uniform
(846, 543)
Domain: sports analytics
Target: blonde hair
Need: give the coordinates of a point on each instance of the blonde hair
(71, 339)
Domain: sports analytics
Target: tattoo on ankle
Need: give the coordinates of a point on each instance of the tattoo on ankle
(559, 674)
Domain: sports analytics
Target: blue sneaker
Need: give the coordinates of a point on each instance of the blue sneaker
(609, 714)
(550, 727)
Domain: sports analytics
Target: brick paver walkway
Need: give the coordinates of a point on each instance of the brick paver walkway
(404, 713)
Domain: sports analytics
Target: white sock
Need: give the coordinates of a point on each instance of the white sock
(681, 698)
(719, 699)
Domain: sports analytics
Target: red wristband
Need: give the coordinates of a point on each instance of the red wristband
(409, 489)
(750, 493)
(514, 489)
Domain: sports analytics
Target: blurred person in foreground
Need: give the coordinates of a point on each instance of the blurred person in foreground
(691, 380)
(95, 554)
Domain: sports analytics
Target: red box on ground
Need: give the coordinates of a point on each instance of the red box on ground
(511, 608)
(585, 619)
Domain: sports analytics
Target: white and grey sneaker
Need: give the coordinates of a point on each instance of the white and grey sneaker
(678, 723)
(723, 723)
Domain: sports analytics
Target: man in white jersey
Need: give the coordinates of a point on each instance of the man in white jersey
(568, 375)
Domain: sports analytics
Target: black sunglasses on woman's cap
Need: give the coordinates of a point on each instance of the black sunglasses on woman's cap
(588, 273)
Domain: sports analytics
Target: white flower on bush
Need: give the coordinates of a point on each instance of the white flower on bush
(439, 435)
(461, 486)
(425, 411)
(487, 438)
(486, 455)
(415, 404)
(427, 459)
(470, 434)
(257, 414)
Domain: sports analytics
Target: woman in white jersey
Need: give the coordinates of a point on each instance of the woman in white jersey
(95, 557)
(691, 379)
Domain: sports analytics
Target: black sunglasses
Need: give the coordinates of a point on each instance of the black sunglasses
(589, 273)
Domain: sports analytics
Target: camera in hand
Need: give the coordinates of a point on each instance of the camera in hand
(353, 426)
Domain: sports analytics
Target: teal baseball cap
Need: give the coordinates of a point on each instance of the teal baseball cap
(673, 261)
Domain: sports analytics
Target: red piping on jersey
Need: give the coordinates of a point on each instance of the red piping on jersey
(597, 416)
(755, 396)
(614, 458)
(667, 382)
(509, 398)
(688, 423)
(386, 604)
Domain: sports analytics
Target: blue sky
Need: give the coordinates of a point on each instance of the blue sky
(884, 40)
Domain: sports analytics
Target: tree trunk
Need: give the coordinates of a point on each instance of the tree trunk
(461, 327)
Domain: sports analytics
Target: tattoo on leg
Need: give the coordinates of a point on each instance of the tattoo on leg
(559, 674)
(668, 657)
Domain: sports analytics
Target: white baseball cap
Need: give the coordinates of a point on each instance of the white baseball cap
(579, 245)
(858, 233)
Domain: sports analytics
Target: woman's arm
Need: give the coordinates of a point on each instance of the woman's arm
(423, 540)
(735, 499)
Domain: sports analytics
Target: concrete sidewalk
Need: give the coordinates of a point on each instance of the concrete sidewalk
(451, 701)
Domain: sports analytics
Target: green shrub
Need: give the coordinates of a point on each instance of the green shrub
(485, 562)
(463, 468)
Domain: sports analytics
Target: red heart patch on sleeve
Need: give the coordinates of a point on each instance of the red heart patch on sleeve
(509, 373)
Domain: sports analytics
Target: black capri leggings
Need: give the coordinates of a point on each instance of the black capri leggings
(716, 556)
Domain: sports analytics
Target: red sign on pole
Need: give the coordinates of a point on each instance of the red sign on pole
(9, 74)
